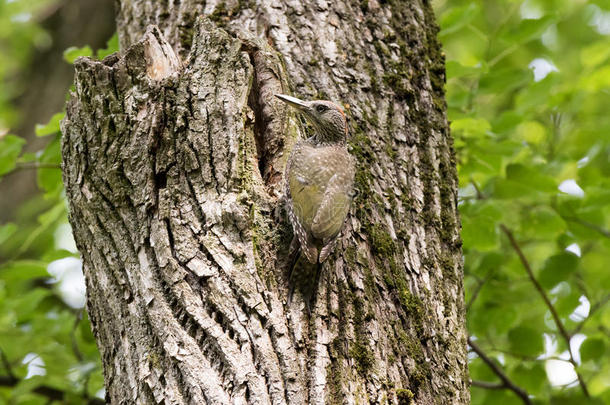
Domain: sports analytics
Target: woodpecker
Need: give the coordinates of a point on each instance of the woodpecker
(319, 178)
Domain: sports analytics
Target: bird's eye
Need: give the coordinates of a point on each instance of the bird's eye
(321, 108)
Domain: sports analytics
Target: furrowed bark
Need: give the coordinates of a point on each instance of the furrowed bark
(173, 159)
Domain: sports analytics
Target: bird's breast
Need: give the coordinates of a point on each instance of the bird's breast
(316, 165)
(309, 171)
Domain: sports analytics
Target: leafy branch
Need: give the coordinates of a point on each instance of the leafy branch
(604, 232)
(558, 322)
(506, 383)
(477, 289)
(53, 394)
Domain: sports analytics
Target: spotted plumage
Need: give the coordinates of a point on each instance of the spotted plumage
(319, 179)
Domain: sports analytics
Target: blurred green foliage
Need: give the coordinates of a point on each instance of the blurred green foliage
(20, 36)
(526, 90)
(528, 86)
(45, 336)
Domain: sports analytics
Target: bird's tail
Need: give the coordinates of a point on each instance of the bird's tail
(304, 278)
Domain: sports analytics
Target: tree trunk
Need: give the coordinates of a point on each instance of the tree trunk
(173, 159)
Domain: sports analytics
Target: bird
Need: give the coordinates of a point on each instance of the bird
(319, 178)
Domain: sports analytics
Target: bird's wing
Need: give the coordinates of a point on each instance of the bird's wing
(327, 250)
(304, 198)
(334, 207)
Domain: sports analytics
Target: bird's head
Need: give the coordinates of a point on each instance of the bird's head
(327, 118)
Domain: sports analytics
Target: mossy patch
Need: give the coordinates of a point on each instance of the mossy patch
(363, 356)
(414, 308)
(398, 79)
(334, 377)
(154, 359)
(364, 5)
(350, 256)
(419, 376)
(360, 350)
(447, 264)
(221, 15)
(448, 217)
(256, 231)
(404, 396)
(334, 371)
(373, 76)
(381, 241)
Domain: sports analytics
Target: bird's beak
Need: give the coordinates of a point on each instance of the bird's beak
(293, 101)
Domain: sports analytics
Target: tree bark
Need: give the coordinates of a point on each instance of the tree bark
(173, 158)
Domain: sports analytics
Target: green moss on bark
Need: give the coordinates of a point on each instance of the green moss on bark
(360, 350)
(404, 396)
(334, 371)
(399, 79)
(381, 241)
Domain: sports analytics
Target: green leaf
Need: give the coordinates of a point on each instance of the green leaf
(507, 121)
(479, 226)
(574, 398)
(73, 52)
(490, 262)
(491, 317)
(542, 223)
(6, 231)
(456, 69)
(596, 81)
(523, 181)
(112, 46)
(28, 157)
(470, 127)
(51, 127)
(595, 270)
(49, 179)
(592, 349)
(53, 215)
(457, 18)
(558, 268)
(525, 340)
(530, 29)
(532, 132)
(503, 397)
(10, 147)
(567, 302)
(27, 304)
(531, 377)
(539, 134)
(23, 270)
(537, 95)
(477, 161)
(595, 54)
(504, 79)
(25, 386)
